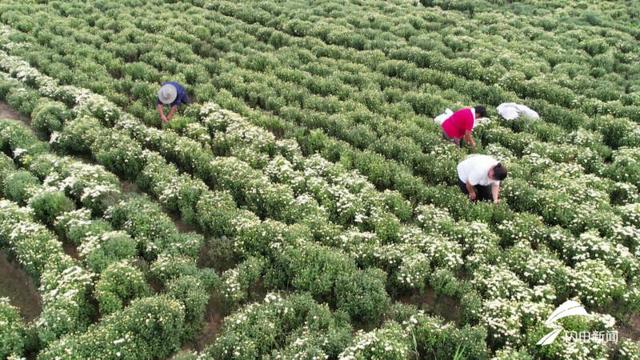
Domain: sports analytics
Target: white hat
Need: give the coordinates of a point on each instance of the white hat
(167, 94)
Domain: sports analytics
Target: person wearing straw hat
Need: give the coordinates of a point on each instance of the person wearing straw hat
(173, 94)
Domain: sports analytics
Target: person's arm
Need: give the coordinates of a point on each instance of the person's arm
(469, 139)
(161, 111)
(173, 110)
(471, 190)
(495, 192)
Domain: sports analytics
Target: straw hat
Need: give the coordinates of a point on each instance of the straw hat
(167, 94)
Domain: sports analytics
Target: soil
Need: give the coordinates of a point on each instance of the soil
(443, 306)
(70, 250)
(182, 226)
(217, 253)
(632, 329)
(19, 288)
(213, 322)
(6, 112)
(129, 187)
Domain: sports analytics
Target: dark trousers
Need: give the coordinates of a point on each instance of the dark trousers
(482, 192)
(455, 141)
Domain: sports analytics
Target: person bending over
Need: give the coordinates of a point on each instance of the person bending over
(460, 125)
(172, 94)
(479, 177)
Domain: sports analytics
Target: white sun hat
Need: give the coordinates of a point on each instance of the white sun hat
(167, 94)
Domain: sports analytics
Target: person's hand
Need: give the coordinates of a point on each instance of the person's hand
(496, 201)
(472, 196)
(164, 119)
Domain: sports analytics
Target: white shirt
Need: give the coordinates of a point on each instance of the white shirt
(475, 168)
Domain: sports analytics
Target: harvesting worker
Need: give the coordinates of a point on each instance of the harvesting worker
(173, 94)
(479, 177)
(460, 124)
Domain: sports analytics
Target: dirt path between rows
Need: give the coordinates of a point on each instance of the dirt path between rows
(19, 288)
(16, 284)
(6, 112)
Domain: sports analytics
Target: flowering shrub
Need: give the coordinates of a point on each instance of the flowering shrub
(118, 154)
(237, 282)
(628, 350)
(22, 99)
(525, 228)
(216, 212)
(596, 284)
(312, 268)
(260, 328)
(388, 342)
(158, 335)
(168, 267)
(362, 295)
(433, 337)
(626, 166)
(332, 152)
(79, 134)
(119, 283)
(47, 205)
(49, 116)
(192, 293)
(20, 186)
(34, 246)
(6, 168)
(100, 249)
(145, 222)
(66, 303)
(12, 332)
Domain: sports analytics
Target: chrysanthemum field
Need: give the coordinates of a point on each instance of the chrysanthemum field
(305, 205)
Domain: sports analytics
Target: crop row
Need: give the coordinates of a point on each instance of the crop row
(417, 163)
(552, 217)
(286, 35)
(257, 237)
(610, 56)
(585, 269)
(216, 212)
(109, 277)
(84, 341)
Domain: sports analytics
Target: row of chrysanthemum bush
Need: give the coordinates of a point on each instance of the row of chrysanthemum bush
(122, 243)
(440, 168)
(412, 270)
(552, 209)
(224, 23)
(251, 188)
(238, 278)
(340, 276)
(400, 35)
(617, 133)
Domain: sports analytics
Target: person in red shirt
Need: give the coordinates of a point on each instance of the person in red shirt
(460, 125)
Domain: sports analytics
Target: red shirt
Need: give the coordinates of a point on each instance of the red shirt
(458, 123)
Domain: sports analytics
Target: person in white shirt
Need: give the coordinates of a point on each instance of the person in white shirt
(479, 177)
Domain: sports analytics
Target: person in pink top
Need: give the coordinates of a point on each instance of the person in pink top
(460, 125)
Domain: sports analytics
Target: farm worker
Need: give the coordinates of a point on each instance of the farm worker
(171, 93)
(460, 124)
(479, 177)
